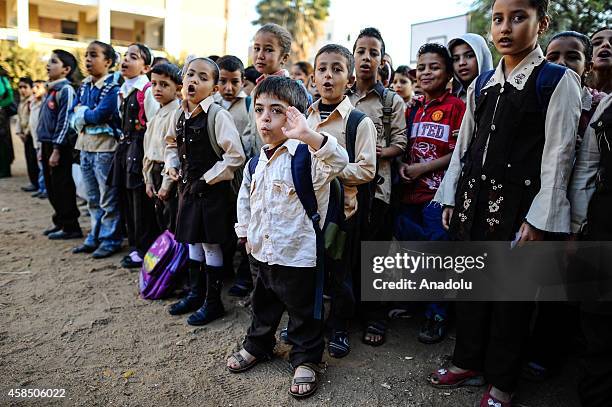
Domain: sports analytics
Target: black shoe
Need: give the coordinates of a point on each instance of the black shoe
(83, 249)
(51, 229)
(197, 289)
(240, 289)
(29, 188)
(213, 307)
(35, 194)
(43, 195)
(61, 235)
(206, 314)
(104, 252)
(128, 263)
(433, 330)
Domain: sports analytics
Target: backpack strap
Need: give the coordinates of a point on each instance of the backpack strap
(387, 102)
(248, 100)
(140, 97)
(301, 173)
(354, 119)
(481, 81)
(210, 126)
(547, 81)
(252, 164)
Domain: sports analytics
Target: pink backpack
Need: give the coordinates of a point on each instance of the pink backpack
(140, 98)
(162, 266)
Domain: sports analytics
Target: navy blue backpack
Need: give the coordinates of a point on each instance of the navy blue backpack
(330, 238)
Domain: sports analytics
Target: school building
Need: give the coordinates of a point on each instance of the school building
(175, 27)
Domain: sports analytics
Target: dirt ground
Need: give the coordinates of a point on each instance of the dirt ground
(70, 322)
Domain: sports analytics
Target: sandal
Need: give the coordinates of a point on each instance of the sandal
(445, 379)
(244, 365)
(375, 328)
(313, 381)
(489, 401)
(338, 345)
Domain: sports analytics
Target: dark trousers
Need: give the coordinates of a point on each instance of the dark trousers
(342, 275)
(61, 188)
(165, 211)
(595, 387)
(556, 325)
(139, 214)
(490, 339)
(280, 288)
(379, 227)
(31, 160)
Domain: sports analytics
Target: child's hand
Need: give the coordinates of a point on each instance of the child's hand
(379, 151)
(173, 174)
(150, 190)
(414, 171)
(447, 215)
(296, 125)
(54, 159)
(528, 234)
(163, 194)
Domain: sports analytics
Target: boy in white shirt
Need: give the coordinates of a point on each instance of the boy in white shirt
(280, 236)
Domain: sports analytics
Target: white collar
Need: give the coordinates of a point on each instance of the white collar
(129, 85)
(519, 75)
(204, 104)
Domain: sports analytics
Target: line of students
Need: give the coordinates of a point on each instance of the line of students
(409, 167)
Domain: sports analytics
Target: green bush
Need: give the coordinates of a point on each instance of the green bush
(20, 62)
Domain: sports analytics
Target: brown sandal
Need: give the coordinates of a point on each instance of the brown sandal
(244, 365)
(312, 381)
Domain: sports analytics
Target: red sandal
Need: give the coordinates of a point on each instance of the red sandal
(489, 401)
(445, 379)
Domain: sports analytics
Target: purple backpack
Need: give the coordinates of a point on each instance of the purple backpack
(162, 265)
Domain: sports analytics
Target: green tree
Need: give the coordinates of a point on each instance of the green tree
(19, 62)
(584, 16)
(302, 18)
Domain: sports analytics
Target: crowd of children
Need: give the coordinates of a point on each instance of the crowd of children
(257, 160)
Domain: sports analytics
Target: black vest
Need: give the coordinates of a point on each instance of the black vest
(493, 198)
(130, 124)
(195, 152)
(599, 221)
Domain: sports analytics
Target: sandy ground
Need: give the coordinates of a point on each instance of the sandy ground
(73, 323)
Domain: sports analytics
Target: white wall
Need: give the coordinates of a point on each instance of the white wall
(439, 31)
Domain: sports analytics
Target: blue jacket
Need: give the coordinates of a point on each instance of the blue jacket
(102, 102)
(54, 119)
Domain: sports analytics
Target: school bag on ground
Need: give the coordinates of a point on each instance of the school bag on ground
(162, 266)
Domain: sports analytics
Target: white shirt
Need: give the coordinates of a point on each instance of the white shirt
(270, 214)
(582, 186)
(150, 104)
(550, 209)
(227, 138)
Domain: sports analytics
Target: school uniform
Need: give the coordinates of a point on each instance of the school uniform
(238, 109)
(590, 195)
(511, 164)
(283, 250)
(332, 122)
(371, 104)
(137, 209)
(52, 132)
(205, 196)
(153, 164)
(23, 127)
